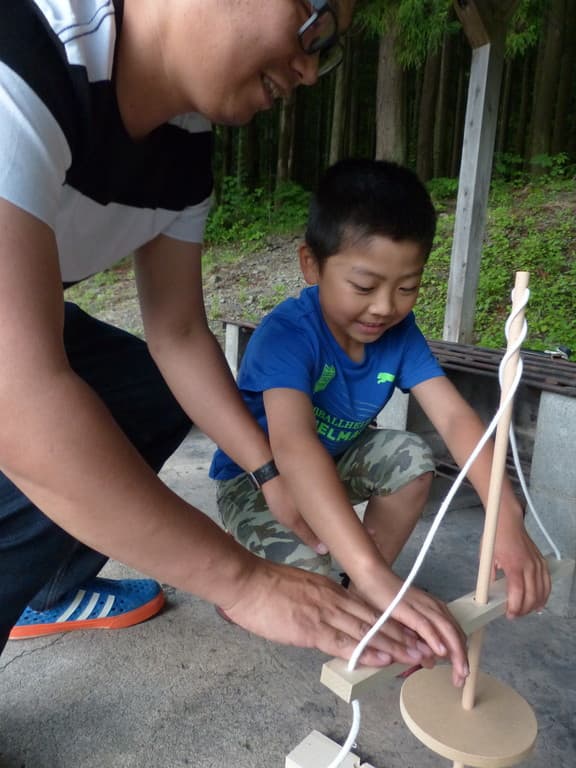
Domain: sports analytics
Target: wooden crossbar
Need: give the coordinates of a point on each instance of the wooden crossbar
(468, 613)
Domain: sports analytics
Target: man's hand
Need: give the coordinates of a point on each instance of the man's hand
(294, 607)
(283, 509)
(437, 632)
(524, 567)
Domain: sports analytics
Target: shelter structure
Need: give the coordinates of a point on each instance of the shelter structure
(485, 23)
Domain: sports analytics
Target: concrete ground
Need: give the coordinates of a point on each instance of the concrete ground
(187, 689)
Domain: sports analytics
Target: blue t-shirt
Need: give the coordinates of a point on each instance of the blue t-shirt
(293, 348)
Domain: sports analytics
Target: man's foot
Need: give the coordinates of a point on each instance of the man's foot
(99, 604)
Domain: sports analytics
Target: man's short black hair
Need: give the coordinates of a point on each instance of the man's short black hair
(360, 198)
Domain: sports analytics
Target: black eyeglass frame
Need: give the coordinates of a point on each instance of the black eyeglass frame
(322, 7)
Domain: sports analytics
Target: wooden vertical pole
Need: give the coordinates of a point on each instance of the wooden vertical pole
(485, 569)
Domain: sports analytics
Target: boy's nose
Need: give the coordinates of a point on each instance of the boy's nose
(383, 304)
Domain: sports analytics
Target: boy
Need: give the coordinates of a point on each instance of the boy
(317, 371)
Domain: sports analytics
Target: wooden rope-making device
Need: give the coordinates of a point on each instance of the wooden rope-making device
(487, 724)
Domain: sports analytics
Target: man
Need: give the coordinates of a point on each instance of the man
(101, 156)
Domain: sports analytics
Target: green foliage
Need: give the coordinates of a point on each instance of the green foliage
(531, 229)
(290, 203)
(509, 167)
(524, 28)
(240, 217)
(421, 25)
(244, 217)
(442, 189)
(555, 166)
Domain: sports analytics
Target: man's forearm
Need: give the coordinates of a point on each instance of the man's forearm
(68, 456)
(197, 373)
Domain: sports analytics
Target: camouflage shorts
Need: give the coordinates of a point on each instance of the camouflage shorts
(380, 462)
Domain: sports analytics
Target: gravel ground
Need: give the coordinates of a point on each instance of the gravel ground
(238, 287)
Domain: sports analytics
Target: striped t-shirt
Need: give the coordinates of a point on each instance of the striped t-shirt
(65, 156)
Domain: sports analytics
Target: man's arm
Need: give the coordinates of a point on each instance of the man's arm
(313, 479)
(169, 275)
(515, 552)
(59, 444)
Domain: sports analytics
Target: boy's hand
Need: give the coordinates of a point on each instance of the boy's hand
(283, 509)
(432, 622)
(291, 606)
(524, 567)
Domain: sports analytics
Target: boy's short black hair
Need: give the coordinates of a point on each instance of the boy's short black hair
(360, 198)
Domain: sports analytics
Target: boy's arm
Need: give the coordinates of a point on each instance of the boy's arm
(310, 473)
(515, 552)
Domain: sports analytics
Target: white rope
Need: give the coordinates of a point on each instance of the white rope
(355, 727)
(523, 485)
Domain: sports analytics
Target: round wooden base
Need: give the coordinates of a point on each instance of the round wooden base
(499, 731)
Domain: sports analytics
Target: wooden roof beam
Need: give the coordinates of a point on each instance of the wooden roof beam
(479, 18)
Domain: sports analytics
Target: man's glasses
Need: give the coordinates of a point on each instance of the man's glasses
(319, 35)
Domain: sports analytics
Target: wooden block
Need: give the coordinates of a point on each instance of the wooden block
(318, 751)
(467, 612)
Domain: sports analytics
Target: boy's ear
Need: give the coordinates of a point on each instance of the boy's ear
(308, 264)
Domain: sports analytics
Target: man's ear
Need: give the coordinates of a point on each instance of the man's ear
(308, 264)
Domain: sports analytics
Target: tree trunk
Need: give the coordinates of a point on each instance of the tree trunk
(285, 139)
(225, 140)
(353, 100)
(248, 155)
(445, 85)
(427, 116)
(547, 76)
(502, 135)
(390, 102)
(459, 111)
(521, 132)
(339, 109)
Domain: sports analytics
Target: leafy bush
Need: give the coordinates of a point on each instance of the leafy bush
(241, 217)
(442, 189)
(244, 217)
(291, 203)
(554, 166)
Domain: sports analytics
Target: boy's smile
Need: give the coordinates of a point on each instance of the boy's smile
(366, 288)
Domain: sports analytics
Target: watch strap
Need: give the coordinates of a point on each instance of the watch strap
(264, 473)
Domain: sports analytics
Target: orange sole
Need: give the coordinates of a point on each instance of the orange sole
(128, 619)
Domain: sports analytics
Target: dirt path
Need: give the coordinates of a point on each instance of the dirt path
(246, 288)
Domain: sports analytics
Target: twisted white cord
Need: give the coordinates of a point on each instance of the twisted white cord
(355, 727)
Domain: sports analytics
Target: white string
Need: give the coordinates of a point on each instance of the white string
(523, 485)
(355, 727)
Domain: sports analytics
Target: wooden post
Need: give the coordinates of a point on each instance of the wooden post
(495, 488)
(484, 24)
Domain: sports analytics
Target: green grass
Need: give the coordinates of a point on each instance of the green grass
(532, 229)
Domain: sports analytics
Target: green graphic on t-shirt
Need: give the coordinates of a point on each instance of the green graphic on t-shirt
(326, 377)
(384, 377)
(336, 429)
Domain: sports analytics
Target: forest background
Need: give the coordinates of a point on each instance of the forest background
(400, 94)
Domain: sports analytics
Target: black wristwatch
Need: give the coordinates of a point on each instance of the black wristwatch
(264, 473)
